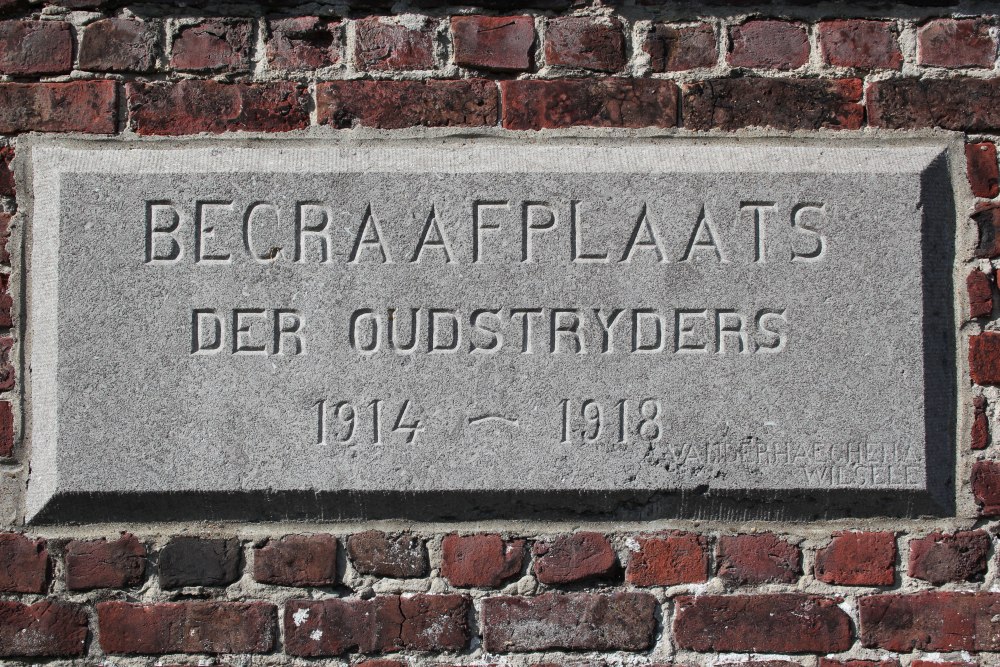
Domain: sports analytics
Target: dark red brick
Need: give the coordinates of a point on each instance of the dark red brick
(986, 487)
(193, 106)
(584, 42)
(6, 429)
(379, 662)
(398, 556)
(46, 629)
(982, 170)
(940, 558)
(6, 302)
(769, 44)
(984, 358)
(382, 44)
(303, 43)
(214, 45)
(860, 43)
(972, 105)
(102, 564)
(195, 561)
(501, 43)
(7, 374)
(119, 45)
(858, 559)
(761, 663)
(956, 43)
(6, 181)
(829, 662)
(575, 557)
(297, 560)
(574, 622)
(398, 104)
(779, 623)
(382, 624)
(758, 559)
(187, 627)
(677, 48)
(987, 220)
(937, 663)
(930, 622)
(5, 219)
(980, 289)
(74, 106)
(480, 561)
(35, 47)
(668, 559)
(633, 103)
(24, 564)
(980, 424)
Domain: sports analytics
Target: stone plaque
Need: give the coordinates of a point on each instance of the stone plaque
(326, 329)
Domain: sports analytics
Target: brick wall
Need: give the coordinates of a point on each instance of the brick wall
(878, 592)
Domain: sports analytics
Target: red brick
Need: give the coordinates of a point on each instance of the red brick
(984, 358)
(75, 106)
(574, 557)
(587, 43)
(575, 622)
(935, 663)
(35, 47)
(677, 48)
(6, 429)
(6, 302)
(6, 183)
(860, 43)
(382, 44)
(398, 556)
(972, 105)
(829, 662)
(193, 106)
(214, 45)
(980, 424)
(761, 663)
(758, 559)
(931, 622)
(784, 104)
(5, 219)
(956, 43)
(982, 170)
(303, 43)
(382, 624)
(633, 103)
(940, 558)
(24, 564)
(197, 561)
(980, 289)
(7, 374)
(46, 629)
(297, 560)
(398, 104)
(102, 564)
(187, 627)
(480, 561)
(768, 44)
(668, 560)
(781, 623)
(987, 220)
(986, 487)
(858, 559)
(493, 42)
(377, 662)
(119, 45)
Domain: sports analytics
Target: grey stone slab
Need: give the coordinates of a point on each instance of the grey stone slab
(236, 322)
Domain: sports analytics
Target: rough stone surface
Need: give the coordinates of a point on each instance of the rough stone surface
(397, 556)
(119, 45)
(575, 557)
(968, 104)
(941, 558)
(398, 104)
(956, 43)
(304, 43)
(297, 560)
(45, 629)
(383, 44)
(501, 43)
(934, 621)
(24, 564)
(537, 105)
(35, 47)
(858, 559)
(102, 564)
(480, 561)
(677, 48)
(758, 559)
(668, 560)
(75, 106)
(578, 41)
(860, 43)
(769, 44)
(194, 561)
(982, 169)
(214, 45)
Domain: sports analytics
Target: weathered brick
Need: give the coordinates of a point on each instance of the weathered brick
(584, 42)
(195, 561)
(972, 105)
(668, 559)
(35, 47)
(677, 48)
(383, 44)
(102, 564)
(297, 560)
(860, 43)
(74, 106)
(399, 556)
(397, 104)
(758, 559)
(984, 358)
(303, 43)
(931, 622)
(501, 43)
(6, 180)
(633, 103)
(575, 557)
(858, 559)
(6, 302)
(6, 429)
(980, 288)
(982, 170)
(24, 564)
(779, 623)
(938, 663)
(956, 43)
(213, 45)
(987, 220)
(986, 487)
(980, 424)
(768, 44)
(46, 629)
(480, 561)
(575, 622)
(5, 220)
(940, 558)
(187, 627)
(8, 376)
(761, 663)
(786, 104)
(382, 624)
(119, 45)
(193, 106)
(830, 662)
